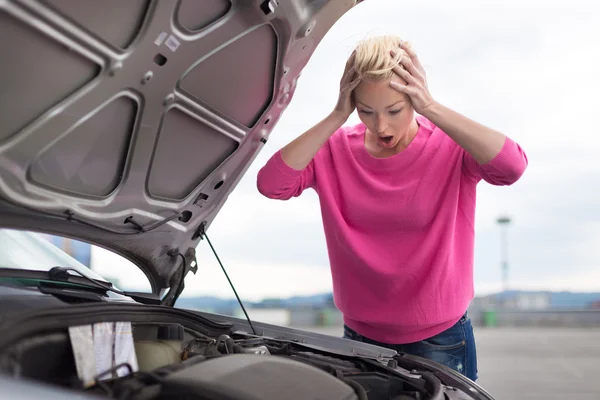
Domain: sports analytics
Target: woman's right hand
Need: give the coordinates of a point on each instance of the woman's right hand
(350, 80)
(299, 152)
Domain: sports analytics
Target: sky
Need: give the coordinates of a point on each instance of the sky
(527, 68)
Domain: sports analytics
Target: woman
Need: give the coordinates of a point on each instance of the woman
(397, 195)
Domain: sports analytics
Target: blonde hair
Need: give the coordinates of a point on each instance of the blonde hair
(373, 61)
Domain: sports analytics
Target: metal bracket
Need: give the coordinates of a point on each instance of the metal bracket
(200, 231)
(178, 279)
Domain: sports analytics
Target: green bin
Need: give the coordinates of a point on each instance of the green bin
(324, 318)
(489, 318)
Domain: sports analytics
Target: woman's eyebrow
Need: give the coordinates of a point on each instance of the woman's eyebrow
(390, 106)
(396, 103)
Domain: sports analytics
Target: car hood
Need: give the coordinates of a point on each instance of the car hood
(128, 124)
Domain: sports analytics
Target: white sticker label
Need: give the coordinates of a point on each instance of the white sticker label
(82, 341)
(161, 38)
(172, 43)
(125, 348)
(98, 349)
(103, 348)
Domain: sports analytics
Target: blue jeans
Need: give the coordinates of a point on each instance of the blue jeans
(454, 348)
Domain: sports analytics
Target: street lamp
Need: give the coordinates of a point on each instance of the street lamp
(504, 221)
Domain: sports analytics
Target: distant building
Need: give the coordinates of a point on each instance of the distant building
(270, 303)
(537, 301)
(514, 300)
(275, 316)
(529, 301)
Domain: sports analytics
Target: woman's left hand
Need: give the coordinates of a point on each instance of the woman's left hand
(414, 75)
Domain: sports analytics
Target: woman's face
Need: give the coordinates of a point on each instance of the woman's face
(387, 113)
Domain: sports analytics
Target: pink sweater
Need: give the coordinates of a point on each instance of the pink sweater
(399, 230)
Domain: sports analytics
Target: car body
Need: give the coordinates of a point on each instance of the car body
(126, 124)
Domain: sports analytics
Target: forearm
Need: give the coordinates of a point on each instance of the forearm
(481, 142)
(276, 180)
(299, 152)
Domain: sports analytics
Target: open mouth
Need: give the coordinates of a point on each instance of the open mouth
(385, 140)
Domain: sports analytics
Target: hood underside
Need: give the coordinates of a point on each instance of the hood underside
(126, 124)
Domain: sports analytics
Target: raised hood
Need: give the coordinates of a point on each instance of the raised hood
(127, 123)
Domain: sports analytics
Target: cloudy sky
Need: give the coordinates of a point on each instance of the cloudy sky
(528, 68)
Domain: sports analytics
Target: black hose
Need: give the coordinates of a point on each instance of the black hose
(360, 391)
(435, 386)
(230, 345)
(227, 341)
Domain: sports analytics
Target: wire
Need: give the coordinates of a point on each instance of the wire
(230, 283)
(171, 298)
(70, 216)
(182, 281)
(112, 370)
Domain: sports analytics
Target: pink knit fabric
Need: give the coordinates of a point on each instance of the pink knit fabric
(399, 230)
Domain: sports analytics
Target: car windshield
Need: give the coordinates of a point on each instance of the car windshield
(35, 251)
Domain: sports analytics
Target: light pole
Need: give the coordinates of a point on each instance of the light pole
(504, 222)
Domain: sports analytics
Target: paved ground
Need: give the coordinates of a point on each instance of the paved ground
(535, 363)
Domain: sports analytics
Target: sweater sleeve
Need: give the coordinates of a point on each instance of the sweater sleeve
(503, 170)
(277, 180)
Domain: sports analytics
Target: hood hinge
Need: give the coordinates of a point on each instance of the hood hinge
(177, 284)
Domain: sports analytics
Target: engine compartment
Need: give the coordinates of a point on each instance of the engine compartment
(174, 362)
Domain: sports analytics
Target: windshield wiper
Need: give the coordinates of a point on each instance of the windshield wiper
(61, 274)
(70, 294)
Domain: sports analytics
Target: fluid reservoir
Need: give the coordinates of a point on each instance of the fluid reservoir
(165, 350)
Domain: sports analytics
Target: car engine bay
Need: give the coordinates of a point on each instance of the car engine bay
(173, 362)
